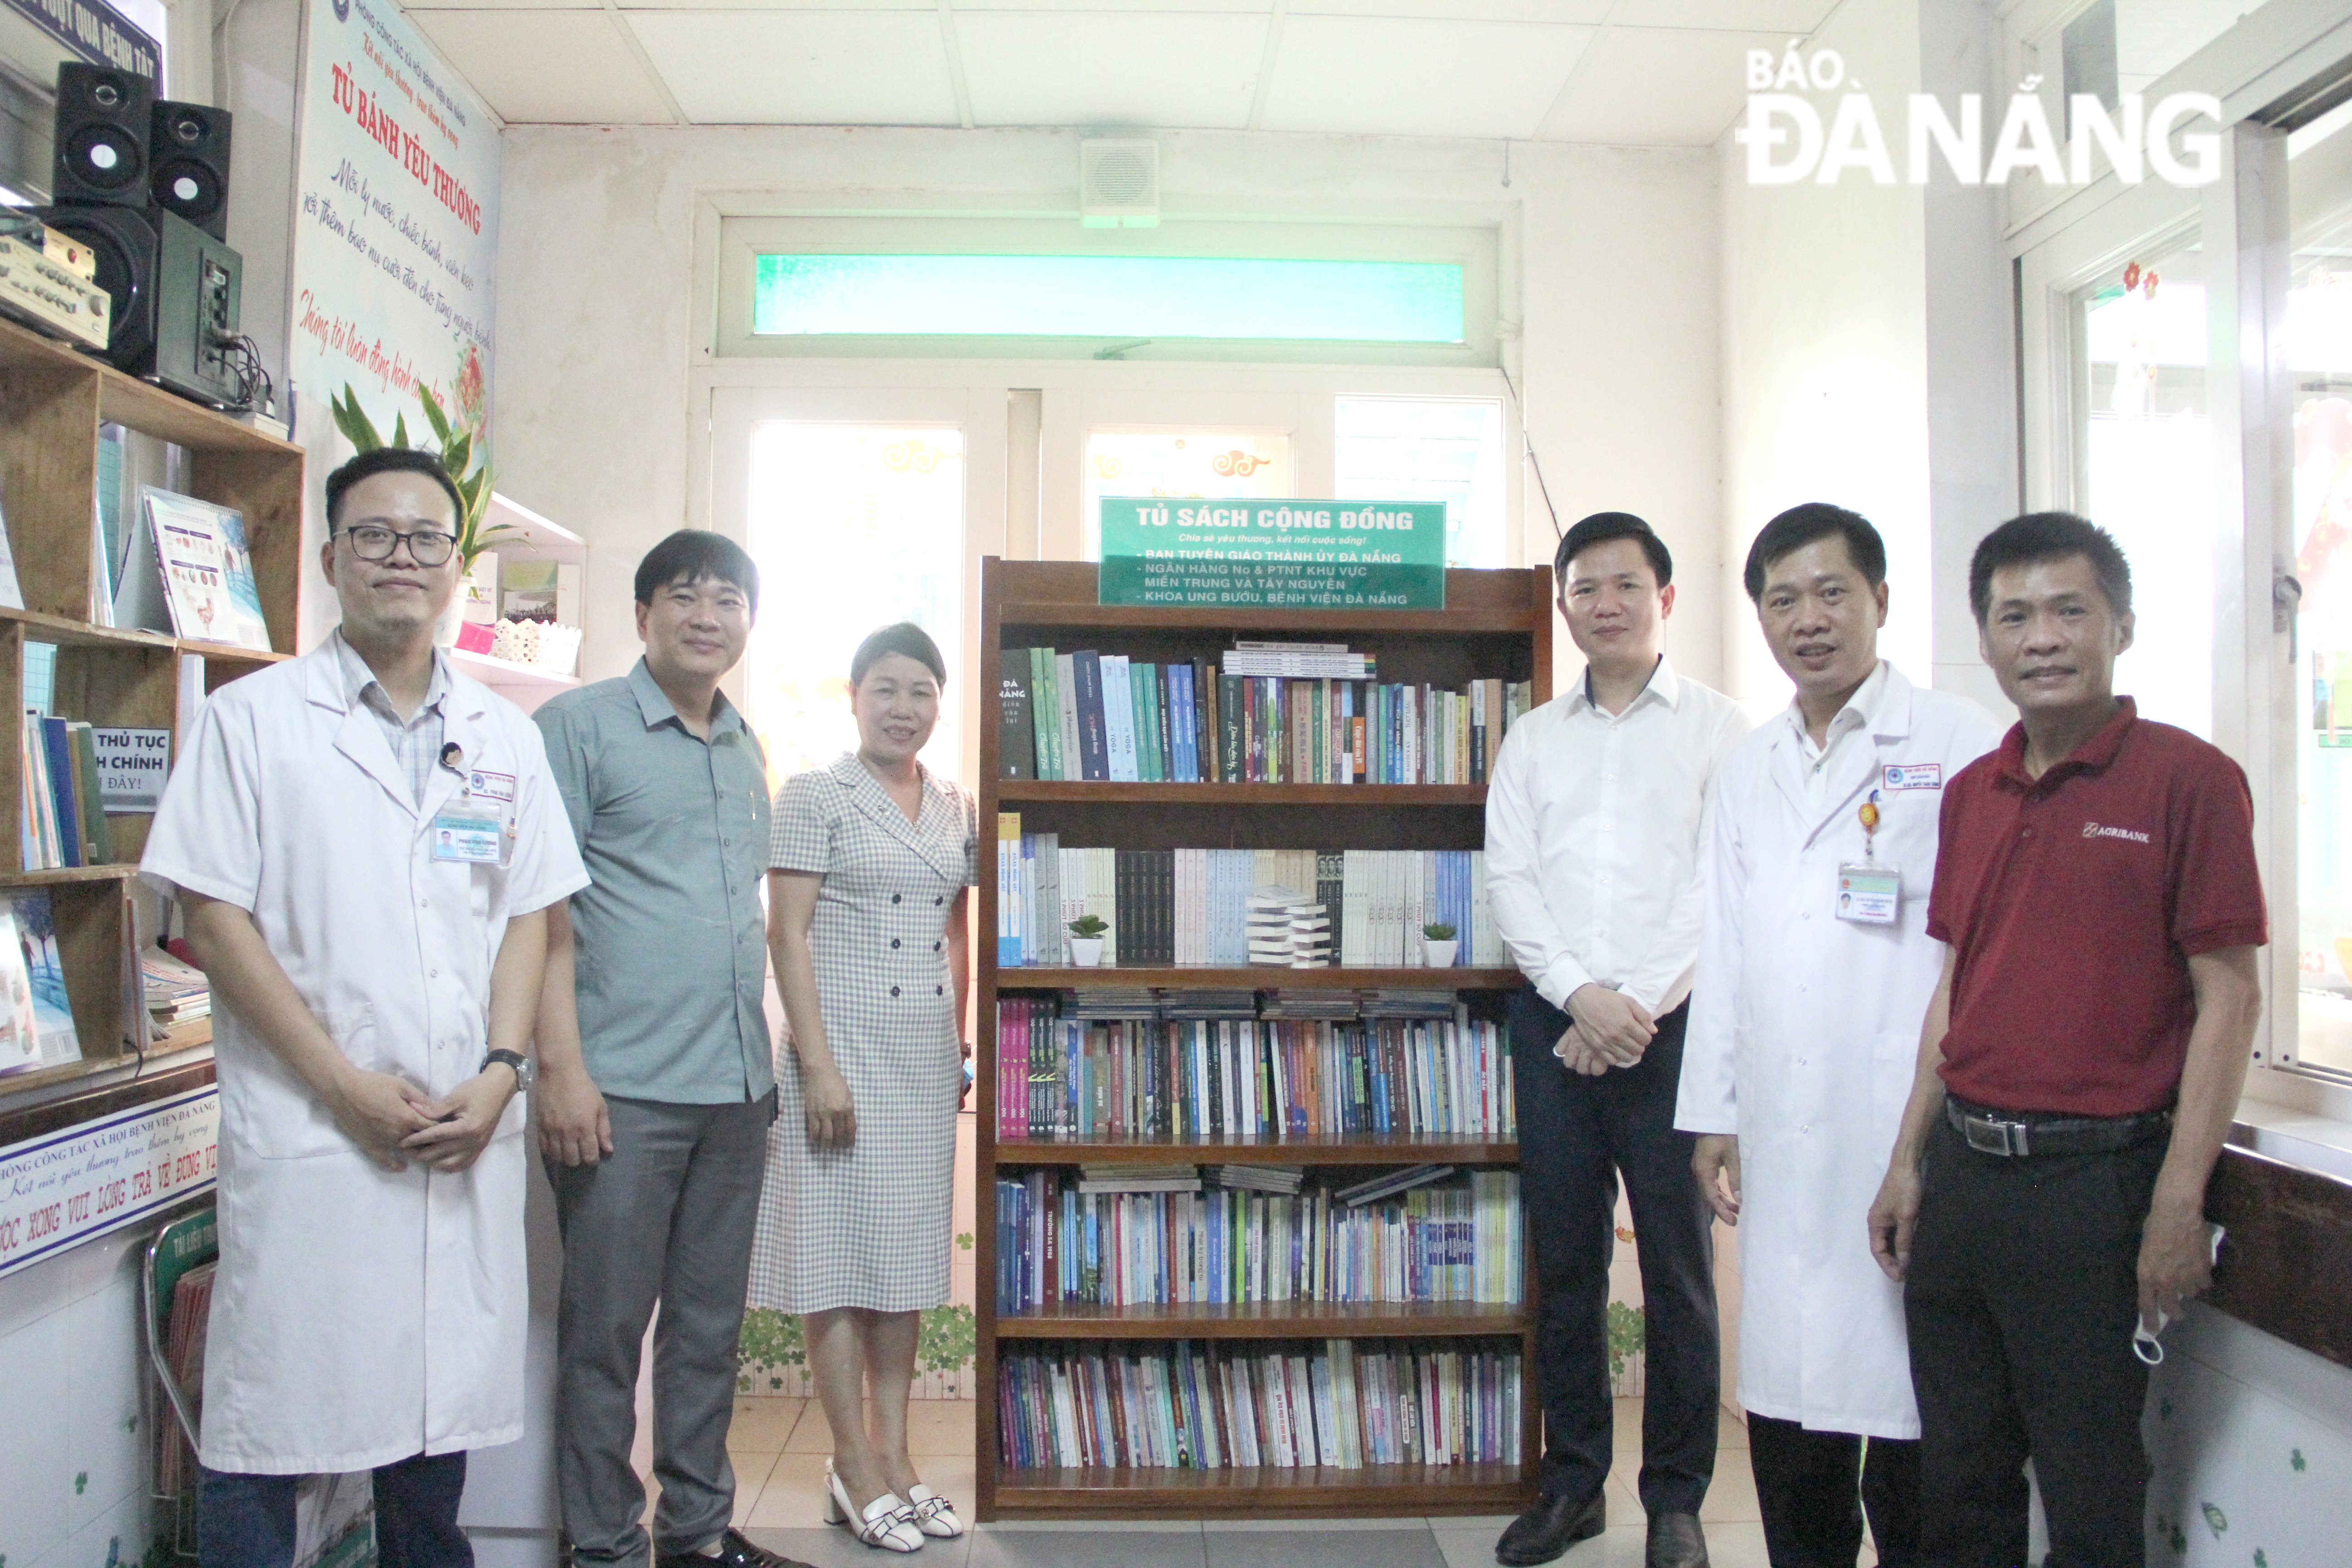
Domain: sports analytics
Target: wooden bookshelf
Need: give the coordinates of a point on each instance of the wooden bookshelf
(52, 401)
(1496, 625)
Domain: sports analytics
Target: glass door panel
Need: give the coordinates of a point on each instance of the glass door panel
(1445, 450)
(2319, 361)
(2144, 454)
(853, 527)
(1201, 464)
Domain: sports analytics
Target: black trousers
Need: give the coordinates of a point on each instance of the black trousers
(2020, 1300)
(1812, 1512)
(1577, 1136)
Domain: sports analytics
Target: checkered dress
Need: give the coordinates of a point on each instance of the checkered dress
(868, 1226)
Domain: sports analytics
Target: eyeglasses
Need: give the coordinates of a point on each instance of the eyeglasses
(427, 547)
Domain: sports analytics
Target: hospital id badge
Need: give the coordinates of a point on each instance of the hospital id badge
(469, 837)
(1869, 893)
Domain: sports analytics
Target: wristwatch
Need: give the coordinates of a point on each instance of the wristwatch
(515, 1060)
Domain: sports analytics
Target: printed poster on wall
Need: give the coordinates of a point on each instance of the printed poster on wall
(398, 224)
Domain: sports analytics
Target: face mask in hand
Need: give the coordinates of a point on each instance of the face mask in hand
(2145, 1344)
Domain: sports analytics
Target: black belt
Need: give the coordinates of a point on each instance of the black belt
(2014, 1134)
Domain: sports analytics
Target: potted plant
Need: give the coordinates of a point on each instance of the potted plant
(1086, 941)
(1442, 944)
(455, 447)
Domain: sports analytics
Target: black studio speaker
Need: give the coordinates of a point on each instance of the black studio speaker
(187, 153)
(104, 120)
(125, 244)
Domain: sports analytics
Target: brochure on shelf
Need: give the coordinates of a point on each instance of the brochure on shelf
(207, 570)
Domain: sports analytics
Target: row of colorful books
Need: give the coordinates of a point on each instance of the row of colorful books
(1092, 715)
(1266, 1077)
(61, 817)
(1337, 1403)
(1456, 1238)
(1192, 906)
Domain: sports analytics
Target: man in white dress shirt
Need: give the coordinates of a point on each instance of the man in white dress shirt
(1592, 839)
(1814, 975)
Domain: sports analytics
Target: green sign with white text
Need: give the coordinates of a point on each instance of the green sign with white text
(1281, 554)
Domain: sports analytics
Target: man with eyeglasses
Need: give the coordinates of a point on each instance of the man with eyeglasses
(365, 842)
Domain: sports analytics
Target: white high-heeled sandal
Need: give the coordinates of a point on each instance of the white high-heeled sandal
(885, 1522)
(934, 1515)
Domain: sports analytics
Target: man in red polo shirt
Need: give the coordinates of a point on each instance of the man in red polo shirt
(2078, 1069)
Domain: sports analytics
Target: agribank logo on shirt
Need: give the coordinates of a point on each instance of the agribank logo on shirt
(1787, 143)
(2099, 830)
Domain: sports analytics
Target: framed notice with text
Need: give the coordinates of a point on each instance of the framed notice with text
(1285, 555)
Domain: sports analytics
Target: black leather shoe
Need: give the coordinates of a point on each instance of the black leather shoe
(1676, 1542)
(1552, 1526)
(734, 1552)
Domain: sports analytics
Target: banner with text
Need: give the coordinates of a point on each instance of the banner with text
(64, 1188)
(394, 246)
(1285, 554)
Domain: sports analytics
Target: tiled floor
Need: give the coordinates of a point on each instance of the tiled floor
(780, 1446)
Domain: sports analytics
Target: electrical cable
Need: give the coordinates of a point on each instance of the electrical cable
(1527, 447)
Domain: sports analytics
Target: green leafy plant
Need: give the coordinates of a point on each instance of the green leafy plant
(1438, 930)
(1626, 1326)
(947, 1338)
(456, 449)
(1087, 927)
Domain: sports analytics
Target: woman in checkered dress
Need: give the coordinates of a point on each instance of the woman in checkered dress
(869, 863)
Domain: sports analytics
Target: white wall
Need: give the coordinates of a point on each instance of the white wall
(1866, 351)
(1609, 273)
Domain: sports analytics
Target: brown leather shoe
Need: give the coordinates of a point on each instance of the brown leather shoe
(1676, 1542)
(1550, 1527)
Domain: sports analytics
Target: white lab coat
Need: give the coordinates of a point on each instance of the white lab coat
(1803, 1036)
(360, 1315)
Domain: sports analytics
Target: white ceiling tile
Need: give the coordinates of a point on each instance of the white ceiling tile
(1398, 77)
(1656, 87)
(801, 67)
(548, 68)
(1580, 12)
(496, 5)
(927, 6)
(1068, 68)
(1793, 17)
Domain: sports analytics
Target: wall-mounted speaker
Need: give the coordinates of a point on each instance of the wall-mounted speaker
(104, 120)
(1119, 183)
(187, 152)
(125, 244)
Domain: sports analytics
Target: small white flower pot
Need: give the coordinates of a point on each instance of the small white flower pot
(1441, 953)
(1085, 951)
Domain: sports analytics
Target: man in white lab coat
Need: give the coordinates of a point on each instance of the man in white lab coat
(1813, 973)
(364, 841)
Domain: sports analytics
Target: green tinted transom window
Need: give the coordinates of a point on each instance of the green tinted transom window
(1108, 297)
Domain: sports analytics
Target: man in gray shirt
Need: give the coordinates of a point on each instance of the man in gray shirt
(656, 1078)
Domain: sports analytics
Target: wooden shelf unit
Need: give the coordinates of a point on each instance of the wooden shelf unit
(1496, 624)
(52, 401)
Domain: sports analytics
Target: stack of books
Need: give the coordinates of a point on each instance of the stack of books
(1388, 1183)
(1137, 1177)
(1062, 1077)
(1177, 907)
(1337, 1403)
(1256, 1178)
(1120, 1242)
(62, 815)
(1267, 717)
(1287, 930)
(179, 998)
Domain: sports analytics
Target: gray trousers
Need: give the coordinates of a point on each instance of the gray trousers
(667, 1217)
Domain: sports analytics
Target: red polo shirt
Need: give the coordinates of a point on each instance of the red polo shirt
(2074, 902)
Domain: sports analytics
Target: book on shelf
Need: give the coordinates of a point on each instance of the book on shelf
(1336, 1404)
(1174, 1076)
(1087, 1241)
(1261, 716)
(30, 964)
(174, 991)
(184, 1354)
(62, 808)
(1176, 907)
